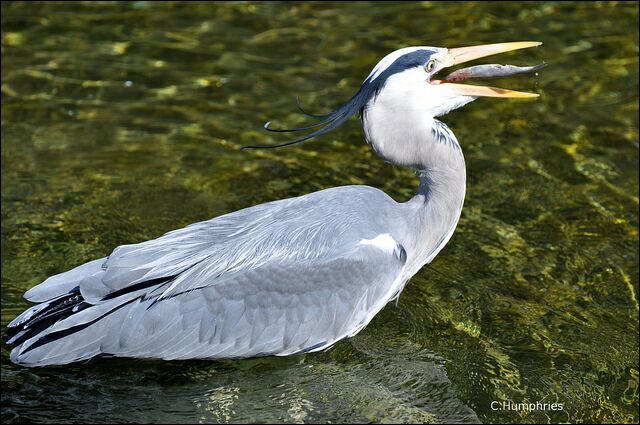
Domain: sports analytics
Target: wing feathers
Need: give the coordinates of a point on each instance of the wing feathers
(63, 283)
(278, 278)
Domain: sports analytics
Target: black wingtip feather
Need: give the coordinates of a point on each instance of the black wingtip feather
(56, 310)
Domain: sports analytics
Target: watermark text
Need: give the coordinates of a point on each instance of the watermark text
(527, 407)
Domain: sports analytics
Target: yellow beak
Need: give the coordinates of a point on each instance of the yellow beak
(465, 54)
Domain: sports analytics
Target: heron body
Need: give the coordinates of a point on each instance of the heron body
(289, 276)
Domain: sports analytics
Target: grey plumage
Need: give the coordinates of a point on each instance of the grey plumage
(289, 276)
(228, 289)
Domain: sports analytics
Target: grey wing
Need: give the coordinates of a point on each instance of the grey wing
(307, 227)
(274, 309)
(201, 273)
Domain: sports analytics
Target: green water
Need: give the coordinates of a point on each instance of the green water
(122, 121)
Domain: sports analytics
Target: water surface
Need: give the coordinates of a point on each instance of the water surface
(122, 121)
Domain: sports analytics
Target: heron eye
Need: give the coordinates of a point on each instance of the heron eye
(430, 65)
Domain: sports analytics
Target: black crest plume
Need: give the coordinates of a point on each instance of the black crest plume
(328, 122)
(368, 90)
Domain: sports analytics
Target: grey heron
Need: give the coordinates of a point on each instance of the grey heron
(283, 277)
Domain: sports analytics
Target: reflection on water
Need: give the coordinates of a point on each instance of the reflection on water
(121, 121)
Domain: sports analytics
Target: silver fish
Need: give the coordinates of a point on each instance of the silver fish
(490, 71)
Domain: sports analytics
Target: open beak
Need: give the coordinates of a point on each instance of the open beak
(465, 54)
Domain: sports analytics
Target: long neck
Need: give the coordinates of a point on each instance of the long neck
(442, 170)
(437, 206)
(438, 202)
(433, 150)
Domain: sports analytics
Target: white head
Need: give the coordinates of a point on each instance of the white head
(406, 76)
(398, 118)
(400, 99)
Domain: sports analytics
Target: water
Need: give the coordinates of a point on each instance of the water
(121, 121)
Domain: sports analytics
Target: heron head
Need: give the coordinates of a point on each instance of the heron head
(403, 91)
(407, 79)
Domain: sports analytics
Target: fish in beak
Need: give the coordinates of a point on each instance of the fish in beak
(465, 54)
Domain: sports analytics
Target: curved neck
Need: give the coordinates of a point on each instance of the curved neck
(437, 206)
(430, 147)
